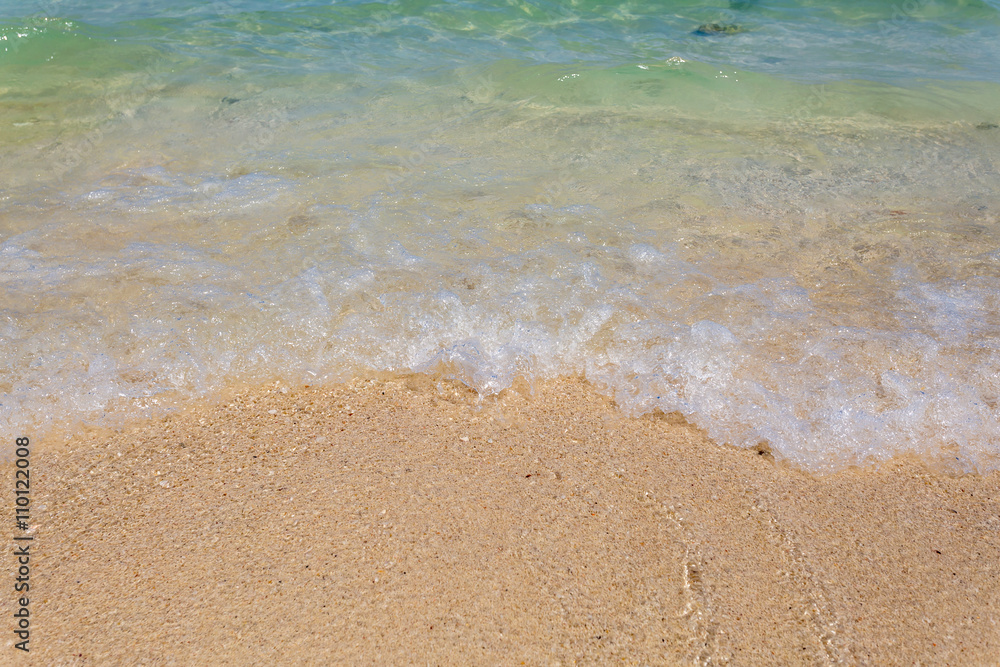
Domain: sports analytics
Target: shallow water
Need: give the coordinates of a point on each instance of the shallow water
(789, 234)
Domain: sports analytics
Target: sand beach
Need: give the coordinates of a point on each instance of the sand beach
(403, 521)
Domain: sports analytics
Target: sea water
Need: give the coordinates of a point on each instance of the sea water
(783, 225)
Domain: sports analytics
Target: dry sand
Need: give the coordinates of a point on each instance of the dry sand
(389, 522)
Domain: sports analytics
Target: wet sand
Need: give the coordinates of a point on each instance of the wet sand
(393, 522)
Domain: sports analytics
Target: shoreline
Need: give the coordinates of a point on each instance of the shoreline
(389, 521)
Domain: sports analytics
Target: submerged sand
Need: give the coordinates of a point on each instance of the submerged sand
(392, 522)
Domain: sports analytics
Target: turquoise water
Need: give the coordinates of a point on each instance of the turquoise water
(786, 229)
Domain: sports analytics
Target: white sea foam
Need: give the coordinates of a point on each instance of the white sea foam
(911, 366)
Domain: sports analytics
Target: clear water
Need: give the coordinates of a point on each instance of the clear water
(789, 233)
